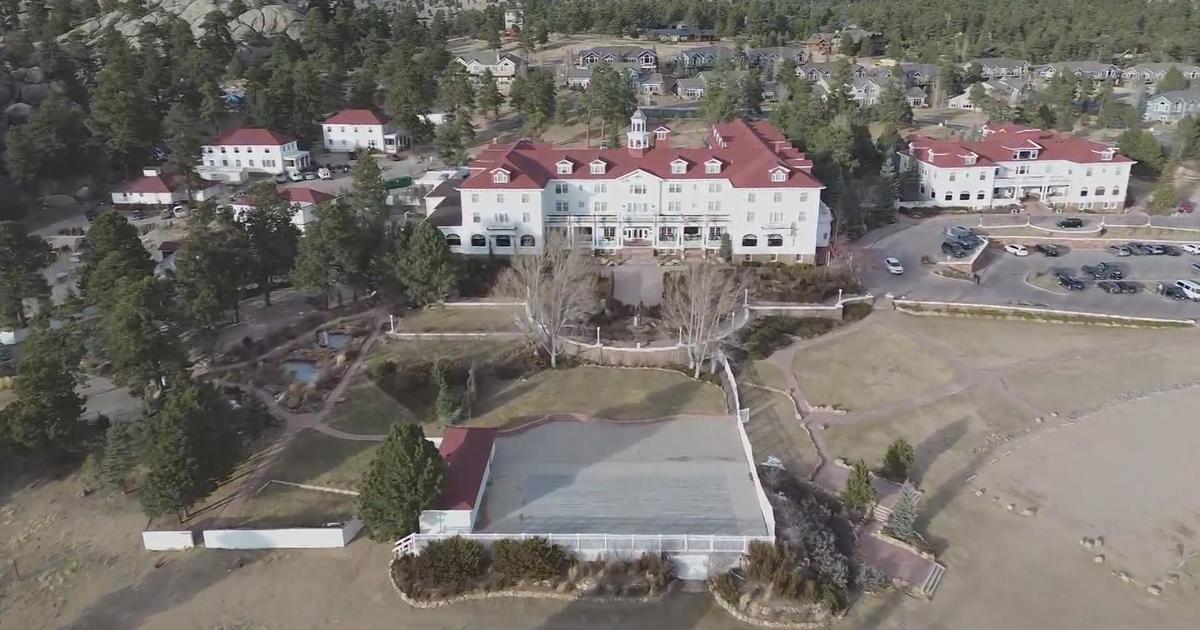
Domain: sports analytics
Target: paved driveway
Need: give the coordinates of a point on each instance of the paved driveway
(1004, 278)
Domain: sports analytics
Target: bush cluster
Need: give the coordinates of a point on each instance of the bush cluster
(763, 336)
(803, 284)
(533, 559)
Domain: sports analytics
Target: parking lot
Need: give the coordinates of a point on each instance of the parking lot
(1011, 280)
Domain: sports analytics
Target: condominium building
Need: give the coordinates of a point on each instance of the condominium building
(748, 183)
(237, 153)
(1012, 163)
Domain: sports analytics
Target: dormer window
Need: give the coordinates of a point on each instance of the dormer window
(1025, 154)
(500, 176)
(969, 160)
(779, 175)
(679, 167)
(712, 166)
(1107, 155)
(565, 167)
(597, 167)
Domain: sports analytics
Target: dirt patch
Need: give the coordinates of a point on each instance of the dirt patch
(463, 319)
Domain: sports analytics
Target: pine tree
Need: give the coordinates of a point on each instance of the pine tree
(138, 333)
(45, 417)
(183, 140)
(488, 95)
(425, 267)
(192, 446)
(1172, 80)
(859, 494)
(1109, 115)
(751, 89)
(448, 404)
(449, 142)
(470, 393)
(902, 523)
(893, 108)
(273, 238)
(897, 460)
(22, 258)
(120, 453)
(1189, 132)
(1166, 193)
(405, 476)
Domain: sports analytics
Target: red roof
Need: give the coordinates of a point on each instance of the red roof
(748, 151)
(306, 195)
(467, 453)
(358, 117)
(1001, 140)
(252, 136)
(152, 184)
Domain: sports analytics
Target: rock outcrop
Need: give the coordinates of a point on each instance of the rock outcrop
(266, 21)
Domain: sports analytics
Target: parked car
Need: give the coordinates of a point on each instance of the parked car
(281, 178)
(1190, 288)
(1070, 222)
(1016, 249)
(893, 266)
(353, 155)
(1172, 292)
(1119, 250)
(136, 214)
(954, 249)
(970, 241)
(395, 157)
(1138, 249)
(1186, 207)
(1155, 250)
(1191, 248)
(1104, 271)
(958, 231)
(324, 173)
(309, 176)
(1108, 286)
(1171, 250)
(1049, 249)
(1069, 282)
(295, 175)
(179, 211)
(1196, 267)
(1128, 286)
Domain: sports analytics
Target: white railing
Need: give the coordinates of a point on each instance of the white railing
(743, 416)
(603, 543)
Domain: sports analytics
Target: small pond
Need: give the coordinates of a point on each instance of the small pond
(333, 340)
(303, 372)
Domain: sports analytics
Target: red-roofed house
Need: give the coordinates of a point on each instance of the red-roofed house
(304, 202)
(154, 188)
(468, 455)
(749, 183)
(360, 130)
(233, 155)
(1013, 162)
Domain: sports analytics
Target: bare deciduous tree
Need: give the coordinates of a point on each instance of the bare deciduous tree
(559, 292)
(698, 299)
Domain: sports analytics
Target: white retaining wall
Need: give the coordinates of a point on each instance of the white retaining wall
(168, 540)
(292, 538)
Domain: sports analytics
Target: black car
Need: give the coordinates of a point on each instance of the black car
(1109, 286)
(1129, 287)
(1119, 250)
(1069, 282)
(1104, 271)
(954, 249)
(1053, 251)
(1171, 250)
(1070, 222)
(1173, 292)
(1138, 249)
(395, 157)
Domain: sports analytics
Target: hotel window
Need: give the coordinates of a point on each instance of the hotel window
(503, 240)
(774, 240)
(674, 206)
(597, 168)
(560, 189)
(1083, 193)
(1023, 169)
(952, 176)
(749, 197)
(712, 167)
(564, 168)
(561, 206)
(474, 197)
(778, 197)
(1088, 173)
(982, 175)
(675, 188)
(475, 217)
(981, 194)
(714, 206)
(637, 189)
(499, 198)
(803, 197)
(678, 168)
(599, 206)
(501, 217)
(714, 187)
(964, 195)
(1099, 191)
(1116, 192)
(776, 217)
(949, 196)
(525, 198)
(600, 188)
(525, 217)
(581, 205)
(778, 176)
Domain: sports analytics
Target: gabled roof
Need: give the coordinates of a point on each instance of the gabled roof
(999, 62)
(252, 136)
(719, 52)
(358, 117)
(1174, 96)
(304, 195)
(466, 452)
(1002, 139)
(152, 184)
(490, 58)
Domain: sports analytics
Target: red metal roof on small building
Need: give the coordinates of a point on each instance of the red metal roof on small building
(467, 453)
(251, 136)
(357, 117)
(305, 195)
(1002, 140)
(152, 184)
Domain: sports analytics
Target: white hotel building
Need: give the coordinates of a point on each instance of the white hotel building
(1012, 163)
(237, 153)
(749, 183)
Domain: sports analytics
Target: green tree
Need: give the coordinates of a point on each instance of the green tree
(949, 82)
(183, 141)
(121, 453)
(751, 89)
(610, 98)
(893, 108)
(897, 460)
(449, 142)
(114, 252)
(121, 114)
(533, 96)
(215, 40)
(1172, 80)
(722, 99)
(22, 258)
(1166, 192)
(405, 476)
(1142, 146)
(800, 114)
(902, 524)
(327, 255)
(859, 493)
(45, 417)
(448, 403)
(839, 100)
(489, 97)
(455, 90)
(1060, 97)
(1109, 115)
(138, 333)
(1189, 133)
(210, 269)
(191, 447)
(370, 191)
(425, 267)
(53, 143)
(274, 240)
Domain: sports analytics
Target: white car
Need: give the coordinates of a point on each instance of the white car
(1191, 248)
(324, 173)
(893, 266)
(295, 175)
(1016, 249)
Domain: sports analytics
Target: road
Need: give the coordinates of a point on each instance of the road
(1004, 278)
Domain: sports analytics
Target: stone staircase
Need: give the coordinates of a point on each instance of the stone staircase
(935, 578)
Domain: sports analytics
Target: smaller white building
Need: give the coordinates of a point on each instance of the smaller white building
(505, 67)
(304, 202)
(154, 188)
(468, 454)
(362, 130)
(237, 153)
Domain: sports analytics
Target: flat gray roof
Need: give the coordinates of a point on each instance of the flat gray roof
(685, 476)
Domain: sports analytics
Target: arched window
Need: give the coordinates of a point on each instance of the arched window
(1099, 191)
(749, 240)
(774, 240)
(453, 240)
(478, 240)
(527, 240)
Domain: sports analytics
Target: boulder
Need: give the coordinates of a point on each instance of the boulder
(17, 113)
(83, 194)
(33, 93)
(29, 75)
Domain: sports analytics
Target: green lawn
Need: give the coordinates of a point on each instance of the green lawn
(460, 319)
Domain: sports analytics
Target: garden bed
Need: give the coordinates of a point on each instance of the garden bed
(800, 284)
(457, 569)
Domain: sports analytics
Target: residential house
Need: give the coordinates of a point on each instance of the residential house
(748, 183)
(1093, 70)
(646, 58)
(1013, 162)
(705, 57)
(867, 41)
(1152, 73)
(864, 90)
(824, 69)
(693, 88)
(362, 130)
(916, 97)
(681, 33)
(154, 188)
(1012, 91)
(505, 67)
(820, 44)
(649, 83)
(1172, 106)
(304, 204)
(237, 153)
(768, 59)
(1000, 67)
(922, 74)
